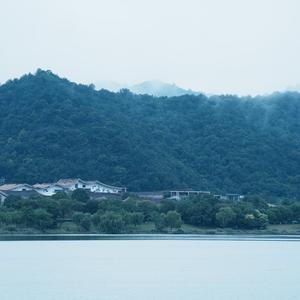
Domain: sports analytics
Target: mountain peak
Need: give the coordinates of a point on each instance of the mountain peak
(160, 89)
(156, 88)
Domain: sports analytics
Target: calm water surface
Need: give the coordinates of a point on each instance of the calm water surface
(149, 269)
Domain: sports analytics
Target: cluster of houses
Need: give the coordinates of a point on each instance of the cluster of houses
(96, 190)
(63, 185)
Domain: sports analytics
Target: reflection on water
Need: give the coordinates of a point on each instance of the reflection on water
(149, 269)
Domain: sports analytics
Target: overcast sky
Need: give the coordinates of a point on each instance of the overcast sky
(215, 46)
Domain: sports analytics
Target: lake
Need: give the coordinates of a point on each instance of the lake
(150, 269)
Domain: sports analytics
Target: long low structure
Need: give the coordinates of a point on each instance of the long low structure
(177, 195)
(62, 185)
(181, 194)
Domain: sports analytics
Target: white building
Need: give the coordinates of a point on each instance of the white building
(92, 186)
(177, 195)
(15, 187)
(99, 187)
(71, 184)
(68, 185)
(48, 189)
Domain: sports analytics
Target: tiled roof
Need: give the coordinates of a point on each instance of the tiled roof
(8, 187)
(69, 181)
(42, 185)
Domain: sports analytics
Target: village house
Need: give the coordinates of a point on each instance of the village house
(92, 186)
(48, 189)
(15, 187)
(23, 190)
(71, 184)
(99, 187)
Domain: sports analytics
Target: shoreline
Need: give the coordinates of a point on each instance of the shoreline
(116, 237)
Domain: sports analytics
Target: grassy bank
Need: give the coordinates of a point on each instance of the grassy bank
(149, 228)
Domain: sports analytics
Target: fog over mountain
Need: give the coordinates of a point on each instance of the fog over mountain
(152, 87)
(293, 88)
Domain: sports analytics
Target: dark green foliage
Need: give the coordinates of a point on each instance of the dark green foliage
(80, 195)
(133, 218)
(86, 222)
(51, 128)
(167, 205)
(173, 219)
(225, 217)
(41, 219)
(60, 195)
(198, 211)
(284, 214)
(66, 206)
(92, 206)
(160, 222)
(256, 220)
(48, 214)
(210, 212)
(83, 220)
(148, 209)
(111, 222)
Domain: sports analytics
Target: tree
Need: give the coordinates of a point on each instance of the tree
(256, 220)
(12, 217)
(60, 195)
(111, 222)
(148, 208)
(167, 205)
(80, 195)
(83, 220)
(130, 204)
(134, 218)
(92, 206)
(86, 222)
(262, 220)
(41, 219)
(173, 220)
(225, 216)
(160, 222)
(13, 201)
(65, 207)
(198, 211)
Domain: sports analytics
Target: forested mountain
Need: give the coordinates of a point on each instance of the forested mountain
(51, 128)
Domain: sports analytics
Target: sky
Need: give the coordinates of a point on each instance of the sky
(243, 47)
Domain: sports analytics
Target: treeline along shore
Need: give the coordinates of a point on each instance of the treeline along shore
(77, 213)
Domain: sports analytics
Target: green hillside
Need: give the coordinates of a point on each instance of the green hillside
(51, 128)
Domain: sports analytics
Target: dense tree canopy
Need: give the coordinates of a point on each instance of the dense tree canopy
(134, 215)
(51, 128)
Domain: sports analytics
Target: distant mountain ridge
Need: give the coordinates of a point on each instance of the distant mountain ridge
(152, 87)
(159, 89)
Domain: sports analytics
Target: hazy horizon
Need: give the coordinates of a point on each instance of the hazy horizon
(237, 47)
